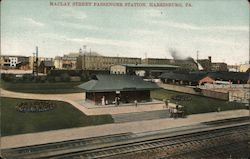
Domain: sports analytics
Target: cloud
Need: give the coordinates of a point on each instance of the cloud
(71, 14)
(101, 41)
(218, 41)
(33, 22)
(187, 26)
(73, 19)
(228, 28)
(145, 32)
(74, 25)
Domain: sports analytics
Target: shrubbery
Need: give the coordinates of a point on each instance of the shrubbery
(65, 77)
(57, 76)
(29, 78)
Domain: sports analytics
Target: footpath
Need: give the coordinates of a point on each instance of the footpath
(115, 128)
(76, 98)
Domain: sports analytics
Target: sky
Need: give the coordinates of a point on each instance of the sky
(218, 28)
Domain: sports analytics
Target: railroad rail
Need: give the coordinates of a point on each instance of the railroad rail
(128, 144)
(169, 143)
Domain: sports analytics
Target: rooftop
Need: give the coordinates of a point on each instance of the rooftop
(195, 76)
(149, 66)
(229, 75)
(184, 76)
(110, 83)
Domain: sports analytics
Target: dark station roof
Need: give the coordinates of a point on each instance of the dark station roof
(196, 76)
(192, 77)
(110, 83)
(229, 76)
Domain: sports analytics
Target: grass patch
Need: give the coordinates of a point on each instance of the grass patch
(63, 116)
(43, 88)
(198, 104)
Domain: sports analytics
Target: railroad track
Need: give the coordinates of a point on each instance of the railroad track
(128, 144)
(223, 151)
(64, 144)
(173, 145)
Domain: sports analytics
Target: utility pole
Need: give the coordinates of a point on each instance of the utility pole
(197, 55)
(35, 63)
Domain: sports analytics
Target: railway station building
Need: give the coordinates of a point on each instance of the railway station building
(117, 89)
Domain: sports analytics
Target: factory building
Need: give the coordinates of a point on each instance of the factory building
(98, 62)
(67, 61)
(188, 64)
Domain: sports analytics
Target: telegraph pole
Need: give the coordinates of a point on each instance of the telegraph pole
(197, 55)
(35, 62)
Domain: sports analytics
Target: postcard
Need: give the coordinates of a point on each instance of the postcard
(125, 79)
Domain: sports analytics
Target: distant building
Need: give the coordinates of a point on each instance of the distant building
(206, 64)
(219, 66)
(14, 62)
(230, 77)
(58, 62)
(45, 67)
(244, 67)
(141, 69)
(187, 64)
(95, 62)
(115, 89)
(200, 78)
(233, 68)
(182, 78)
(68, 61)
(157, 61)
(40, 59)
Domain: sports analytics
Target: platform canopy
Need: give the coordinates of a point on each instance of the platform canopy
(113, 82)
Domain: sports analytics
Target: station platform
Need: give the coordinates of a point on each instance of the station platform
(77, 100)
